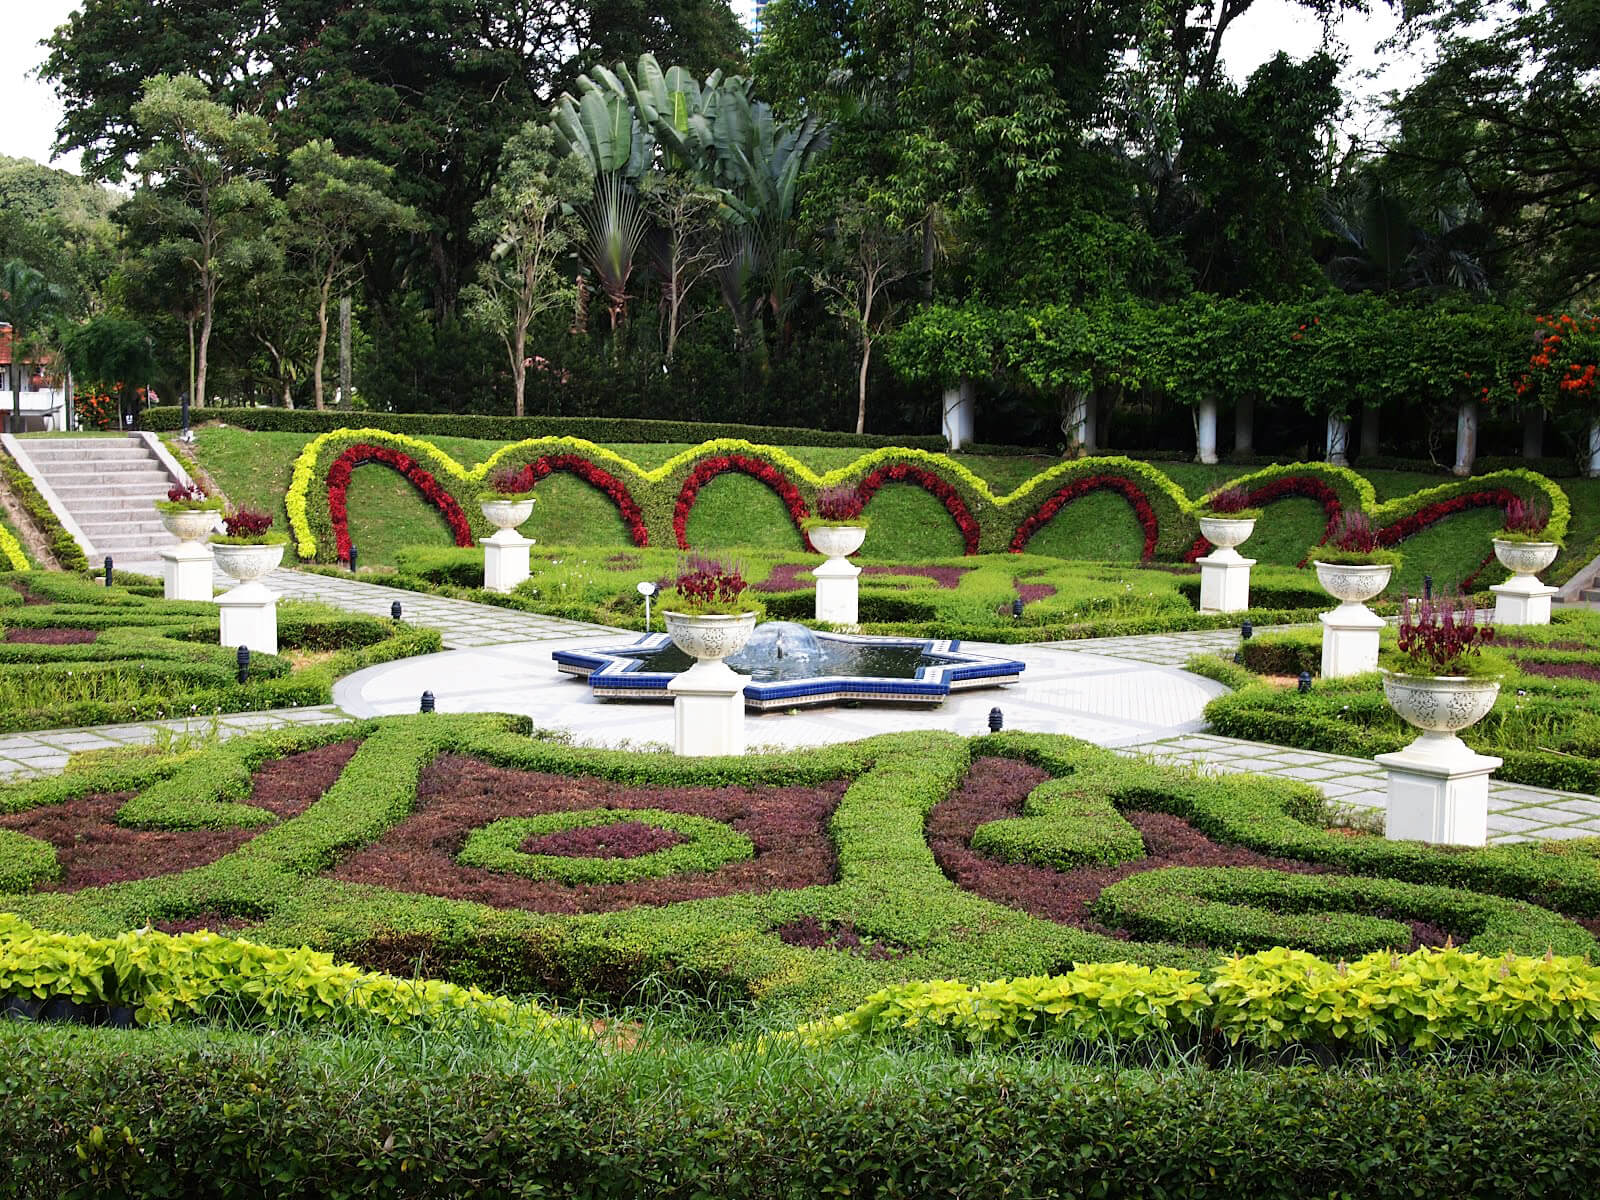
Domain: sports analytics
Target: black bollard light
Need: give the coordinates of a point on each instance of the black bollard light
(1247, 631)
(394, 611)
(427, 701)
(108, 570)
(1016, 607)
(1427, 587)
(997, 720)
(352, 558)
(243, 660)
(1305, 682)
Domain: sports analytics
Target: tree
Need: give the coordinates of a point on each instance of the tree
(873, 258)
(333, 202)
(1509, 111)
(27, 301)
(686, 245)
(111, 351)
(528, 220)
(207, 201)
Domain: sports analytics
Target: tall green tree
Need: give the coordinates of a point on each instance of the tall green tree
(27, 302)
(333, 203)
(206, 200)
(528, 220)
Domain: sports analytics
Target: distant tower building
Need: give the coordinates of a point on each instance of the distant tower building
(749, 11)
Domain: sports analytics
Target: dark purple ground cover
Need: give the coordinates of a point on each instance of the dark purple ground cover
(1589, 672)
(813, 934)
(625, 839)
(52, 637)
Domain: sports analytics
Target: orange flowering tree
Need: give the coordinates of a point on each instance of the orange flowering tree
(1562, 373)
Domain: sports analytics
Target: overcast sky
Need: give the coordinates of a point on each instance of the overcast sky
(32, 111)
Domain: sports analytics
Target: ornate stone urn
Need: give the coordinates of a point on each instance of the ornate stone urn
(1523, 599)
(189, 524)
(1353, 583)
(1350, 632)
(1225, 573)
(250, 561)
(1441, 706)
(1525, 558)
(506, 514)
(1438, 786)
(838, 579)
(1227, 532)
(710, 637)
(837, 541)
(708, 698)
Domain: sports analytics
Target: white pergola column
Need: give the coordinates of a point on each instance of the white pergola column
(1338, 440)
(1205, 431)
(1466, 437)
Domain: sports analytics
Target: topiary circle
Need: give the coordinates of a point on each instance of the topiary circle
(710, 844)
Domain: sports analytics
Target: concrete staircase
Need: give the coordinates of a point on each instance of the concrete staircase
(102, 491)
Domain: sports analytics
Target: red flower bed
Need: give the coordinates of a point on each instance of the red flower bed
(94, 850)
(928, 482)
(1391, 535)
(599, 477)
(759, 469)
(362, 453)
(789, 827)
(1062, 496)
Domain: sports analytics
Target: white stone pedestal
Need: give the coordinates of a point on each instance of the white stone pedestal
(1438, 792)
(708, 710)
(1225, 581)
(1522, 600)
(838, 592)
(505, 560)
(250, 618)
(186, 571)
(1349, 641)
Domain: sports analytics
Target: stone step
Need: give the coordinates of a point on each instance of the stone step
(99, 528)
(66, 447)
(1590, 595)
(79, 476)
(138, 504)
(148, 491)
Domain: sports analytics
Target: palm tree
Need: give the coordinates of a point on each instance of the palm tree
(27, 299)
(1382, 245)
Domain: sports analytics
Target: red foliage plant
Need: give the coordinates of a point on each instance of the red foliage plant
(1230, 500)
(191, 493)
(247, 522)
(705, 581)
(511, 481)
(1527, 516)
(1440, 635)
(840, 502)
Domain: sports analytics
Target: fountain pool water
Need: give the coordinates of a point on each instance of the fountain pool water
(790, 666)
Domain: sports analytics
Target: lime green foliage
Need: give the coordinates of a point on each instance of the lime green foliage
(1547, 729)
(888, 886)
(12, 557)
(1068, 823)
(25, 861)
(1267, 1000)
(156, 658)
(711, 844)
(165, 977)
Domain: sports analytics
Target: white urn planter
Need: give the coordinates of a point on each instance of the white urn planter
(250, 611)
(189, 524)
(1523, 599)
(1439, 786)
(1350, 632)
(250, 561)
(1225, 573)
(506, 514)
(505, 551)
(708, 698)
(187, 568)
(838, 579)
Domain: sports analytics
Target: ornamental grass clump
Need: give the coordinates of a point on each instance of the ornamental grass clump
(708, 587)
(509, 483)
(1231, 503)
(839, 504)
(1442, 637)
(1352, 540)
(1526, 520)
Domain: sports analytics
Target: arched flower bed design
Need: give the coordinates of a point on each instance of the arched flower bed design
(928, 481)
(598, 477)
(708, 469)
(1061, 497)
(1285, 488)
(1397, 532)
(420, 477)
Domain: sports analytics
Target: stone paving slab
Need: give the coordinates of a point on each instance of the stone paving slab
(1517, 812)
(44, 752)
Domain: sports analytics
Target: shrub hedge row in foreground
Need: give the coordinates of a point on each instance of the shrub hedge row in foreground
(100, 1113)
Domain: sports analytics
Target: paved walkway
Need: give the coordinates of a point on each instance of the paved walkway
(46, 751)
(462, 622)
(1516, 813)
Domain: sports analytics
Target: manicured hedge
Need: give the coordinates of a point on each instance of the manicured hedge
(167, 418)
(63, 545)
(154, 658)
(1542, 726)
(124, 1114)
(655, 504)
(888, 888)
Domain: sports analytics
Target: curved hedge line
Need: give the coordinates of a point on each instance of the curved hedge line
(887, 884)
(655, 503)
